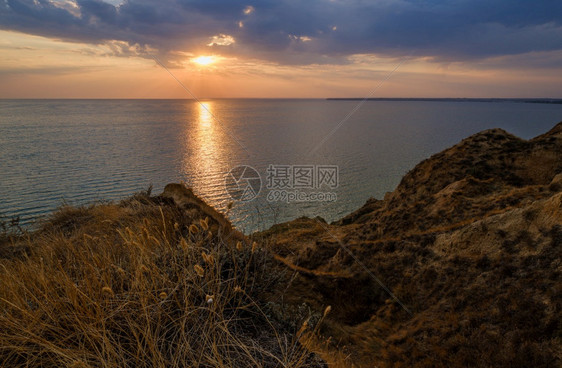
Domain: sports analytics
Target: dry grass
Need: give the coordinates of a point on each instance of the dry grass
(139, 284)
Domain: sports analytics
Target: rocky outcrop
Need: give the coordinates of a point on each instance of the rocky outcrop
(196, 208)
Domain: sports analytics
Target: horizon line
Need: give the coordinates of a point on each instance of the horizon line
(421, 99)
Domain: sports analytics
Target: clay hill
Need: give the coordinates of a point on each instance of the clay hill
(470, 243)
(460, 266)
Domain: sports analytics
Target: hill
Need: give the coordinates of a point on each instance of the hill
(468, 248)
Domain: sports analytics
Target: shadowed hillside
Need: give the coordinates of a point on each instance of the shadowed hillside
(459, 266)
(470, 243)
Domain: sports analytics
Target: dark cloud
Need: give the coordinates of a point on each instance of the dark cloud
(291, 31)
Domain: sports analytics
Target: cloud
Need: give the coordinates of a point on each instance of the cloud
(297, 32)
(249, 9)
(221, 40)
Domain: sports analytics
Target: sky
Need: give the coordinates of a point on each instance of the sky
(280, 48)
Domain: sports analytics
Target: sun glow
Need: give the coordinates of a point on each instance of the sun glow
(204, 60)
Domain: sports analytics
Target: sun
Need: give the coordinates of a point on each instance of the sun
(204, 60)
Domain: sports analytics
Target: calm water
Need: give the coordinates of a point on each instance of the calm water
(81, 151)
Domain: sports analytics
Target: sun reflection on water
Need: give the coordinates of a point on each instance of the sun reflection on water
(205, 117)
(205, 161)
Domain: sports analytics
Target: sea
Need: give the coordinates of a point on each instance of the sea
(260, 161)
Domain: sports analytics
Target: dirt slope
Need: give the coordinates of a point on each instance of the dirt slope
(470, 245)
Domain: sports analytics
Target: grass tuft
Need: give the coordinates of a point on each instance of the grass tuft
(139, 284)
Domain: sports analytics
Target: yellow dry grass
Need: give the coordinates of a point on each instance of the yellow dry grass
(138, 284)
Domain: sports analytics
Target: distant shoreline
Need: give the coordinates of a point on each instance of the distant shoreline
(518, 100)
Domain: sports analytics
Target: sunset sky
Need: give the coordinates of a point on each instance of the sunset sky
(280, 48)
